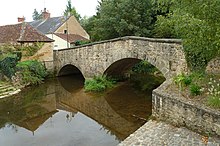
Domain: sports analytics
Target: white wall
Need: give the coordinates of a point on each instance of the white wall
(58, 42)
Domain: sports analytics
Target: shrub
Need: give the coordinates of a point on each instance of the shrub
(179, 79)
(195, 89)
(8, 64)
(33, 72)
(183, 80)
(193, 82)
(187, 80)
(81, 42)
(99, 84)
(32, 49)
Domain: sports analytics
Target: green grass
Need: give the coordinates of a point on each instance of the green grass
(214, 101)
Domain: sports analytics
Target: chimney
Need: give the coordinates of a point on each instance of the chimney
(21, 19)
(45, 14)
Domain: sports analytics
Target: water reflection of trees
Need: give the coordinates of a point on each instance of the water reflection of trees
(28, 109)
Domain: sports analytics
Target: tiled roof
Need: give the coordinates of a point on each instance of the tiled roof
(49, 25)
(10, 33)
(21, 32)
(71, 37)
(30, 34)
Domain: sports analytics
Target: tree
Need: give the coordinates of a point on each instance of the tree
(163, 28)
(88, 23)
(70, 10)
(116, 18)
(36, 15)
(197, 23)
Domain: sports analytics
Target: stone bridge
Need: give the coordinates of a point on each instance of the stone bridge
(116, 56)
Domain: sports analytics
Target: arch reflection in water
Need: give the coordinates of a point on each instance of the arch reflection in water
(100, 108)
(59, 117)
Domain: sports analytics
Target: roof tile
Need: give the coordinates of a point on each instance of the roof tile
(21, 32)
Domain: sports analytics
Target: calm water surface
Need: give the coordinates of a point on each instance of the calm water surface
(60, 113)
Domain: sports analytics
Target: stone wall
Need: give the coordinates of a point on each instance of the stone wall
(49, 65)
(182, 112)
(94, 59)
(214, 66)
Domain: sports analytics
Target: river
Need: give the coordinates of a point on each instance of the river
(60, 113)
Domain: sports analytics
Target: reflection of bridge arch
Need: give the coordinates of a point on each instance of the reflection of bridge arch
(93, 59)
(96, 108)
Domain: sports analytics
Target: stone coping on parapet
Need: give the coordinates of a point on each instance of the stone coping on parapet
(163, 40)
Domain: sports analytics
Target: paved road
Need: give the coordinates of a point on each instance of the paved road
(155, 133)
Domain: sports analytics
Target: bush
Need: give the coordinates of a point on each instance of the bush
(99, 84)
(183, 80)
(82, 42)
(8, 64)
(33, 72)
(193, 82)
(32, 49)
(195, 89)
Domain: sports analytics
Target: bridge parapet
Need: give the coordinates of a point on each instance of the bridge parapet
(163, 40)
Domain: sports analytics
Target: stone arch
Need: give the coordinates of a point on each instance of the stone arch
(72, 78)
(69, 69)
(122, 66)
(94, 59)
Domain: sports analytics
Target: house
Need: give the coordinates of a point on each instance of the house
(63, 30)
(23, 34)
(55, 32)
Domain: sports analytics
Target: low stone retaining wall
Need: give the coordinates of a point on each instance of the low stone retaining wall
(49, 65)
(180, 111)
(214, 66)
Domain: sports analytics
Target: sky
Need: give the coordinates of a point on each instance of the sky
(10, 10)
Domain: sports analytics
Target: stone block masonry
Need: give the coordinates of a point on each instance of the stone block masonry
(183, 112)
(94, 59)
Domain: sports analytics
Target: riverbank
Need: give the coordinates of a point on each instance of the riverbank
(157, 133)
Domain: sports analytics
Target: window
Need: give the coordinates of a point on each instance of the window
(65, 31)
